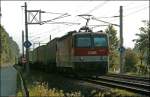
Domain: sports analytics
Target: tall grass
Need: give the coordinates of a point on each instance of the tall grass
(41, 90)
(42, 84)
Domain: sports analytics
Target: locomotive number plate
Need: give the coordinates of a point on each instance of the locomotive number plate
(92, 52)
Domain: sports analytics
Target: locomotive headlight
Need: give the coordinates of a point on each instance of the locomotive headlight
(103, 58)
(81, 58)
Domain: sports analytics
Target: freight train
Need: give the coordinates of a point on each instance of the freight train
(78, 52)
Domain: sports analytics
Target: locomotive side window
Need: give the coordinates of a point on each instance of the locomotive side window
(100, 42)
(83, 42)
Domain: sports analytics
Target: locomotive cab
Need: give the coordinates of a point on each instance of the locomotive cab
(90, 53)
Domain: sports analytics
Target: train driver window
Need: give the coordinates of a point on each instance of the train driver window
(83, 42)
(100, 42)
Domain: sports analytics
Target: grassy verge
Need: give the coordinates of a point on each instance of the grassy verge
(38, 86)
(44, 84)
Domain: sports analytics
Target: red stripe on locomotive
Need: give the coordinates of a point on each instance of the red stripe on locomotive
(91, 52)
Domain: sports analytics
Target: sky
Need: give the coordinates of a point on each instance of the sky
(13, 18)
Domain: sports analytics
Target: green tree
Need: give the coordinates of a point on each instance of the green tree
(9, 50)
(14, 50)
(142, 42)
(113, 40)
(142, 45)
(4, 46)
(131, 60)
(113, 46)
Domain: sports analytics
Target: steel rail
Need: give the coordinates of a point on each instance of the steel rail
(126, 80)
(134, 87)
(146, 79)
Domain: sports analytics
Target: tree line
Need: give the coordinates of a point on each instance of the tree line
(9, 50)
(137, 58)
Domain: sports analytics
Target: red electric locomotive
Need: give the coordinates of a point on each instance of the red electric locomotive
(83, 52)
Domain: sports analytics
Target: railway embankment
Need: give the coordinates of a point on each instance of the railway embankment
(47, 84)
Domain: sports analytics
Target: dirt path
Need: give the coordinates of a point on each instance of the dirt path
(8, 83)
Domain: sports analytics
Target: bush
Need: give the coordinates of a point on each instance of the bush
(9, 50)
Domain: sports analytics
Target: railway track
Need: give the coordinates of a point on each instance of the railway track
(143, 79)
(128, 83)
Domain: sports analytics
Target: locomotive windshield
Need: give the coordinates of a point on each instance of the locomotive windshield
(83, 42)
(100, 41)
(91, 41)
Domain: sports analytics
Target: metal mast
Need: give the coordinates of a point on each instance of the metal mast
(26, 31)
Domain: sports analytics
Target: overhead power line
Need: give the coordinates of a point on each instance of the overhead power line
(52, 12)
(104, 21)
(137, 11)
(38, 33)
(133, 7)
(65, 23)
(97, 7)
(94, 26)
(129, 4)
(61, 16)
(109, 17)
(43, 33)
(131, 13)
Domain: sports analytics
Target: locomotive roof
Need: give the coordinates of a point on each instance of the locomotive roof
(72, 33)
(55, 39)
(68, 34)
(40, 46)
(81, 33)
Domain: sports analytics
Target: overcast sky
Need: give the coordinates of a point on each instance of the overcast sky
(13, 17)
